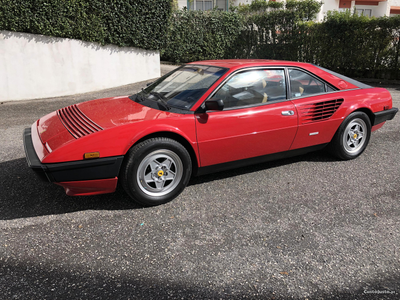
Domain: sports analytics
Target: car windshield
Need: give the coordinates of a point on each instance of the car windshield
(182, 88)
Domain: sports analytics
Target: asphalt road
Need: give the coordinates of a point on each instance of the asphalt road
(309, 227)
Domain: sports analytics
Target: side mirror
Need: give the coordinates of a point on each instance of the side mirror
(214, 104)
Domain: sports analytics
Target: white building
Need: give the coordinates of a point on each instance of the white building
(372, 8)
(206, 4)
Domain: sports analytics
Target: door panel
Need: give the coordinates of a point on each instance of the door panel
(236, 134)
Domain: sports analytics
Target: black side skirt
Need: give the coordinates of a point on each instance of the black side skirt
(257, 160)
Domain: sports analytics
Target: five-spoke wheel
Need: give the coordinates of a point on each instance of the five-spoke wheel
(156, 170)
(352, 137)
(159, 172)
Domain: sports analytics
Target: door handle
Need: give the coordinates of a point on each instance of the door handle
(287, 113)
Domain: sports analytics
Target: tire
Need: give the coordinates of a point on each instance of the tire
(156, 171)
(352, 137)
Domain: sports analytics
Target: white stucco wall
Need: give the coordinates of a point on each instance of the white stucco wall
(182, 3)
(35, 66)
(237, 2)
(380, 10)
(327, 6)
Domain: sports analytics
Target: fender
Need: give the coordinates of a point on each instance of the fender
(163, 128)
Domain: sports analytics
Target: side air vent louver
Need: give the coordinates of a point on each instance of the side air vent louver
(77, 123)
(319, 111)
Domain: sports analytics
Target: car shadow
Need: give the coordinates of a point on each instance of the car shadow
(57, 282)
(24, 195)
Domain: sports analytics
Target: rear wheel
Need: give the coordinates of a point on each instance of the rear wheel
(352, 137)
(155, 171)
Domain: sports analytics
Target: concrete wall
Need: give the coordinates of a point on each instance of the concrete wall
(327, 6)
(35, 66)
(182, 4)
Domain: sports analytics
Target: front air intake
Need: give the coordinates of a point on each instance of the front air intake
(319, 111)
(76, 122)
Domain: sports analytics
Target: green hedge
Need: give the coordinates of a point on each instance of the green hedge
(350, 44)
(358, 45)
(198, 35)
(259, 30)
(275, 33)
(137, 23)
(354, 45)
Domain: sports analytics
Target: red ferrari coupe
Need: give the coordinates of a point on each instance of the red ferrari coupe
(204, 117)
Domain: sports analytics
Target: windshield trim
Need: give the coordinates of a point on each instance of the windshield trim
(220, 71)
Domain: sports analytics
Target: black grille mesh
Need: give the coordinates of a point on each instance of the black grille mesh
(319, 111)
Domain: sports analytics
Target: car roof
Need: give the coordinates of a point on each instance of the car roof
(339, 81)
(242, 63)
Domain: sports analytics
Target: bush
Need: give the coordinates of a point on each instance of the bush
(137, 23)
(199, 35)
(259, 30)
(256, 6)
(355, 44)
(346, 42)
(277, 33)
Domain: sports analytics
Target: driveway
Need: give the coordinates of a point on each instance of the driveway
(309, 227)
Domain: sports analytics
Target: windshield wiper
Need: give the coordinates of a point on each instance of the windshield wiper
(161, 99)
(139, 97)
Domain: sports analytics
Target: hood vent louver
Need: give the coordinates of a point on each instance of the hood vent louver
(76, 122)
(319, 111)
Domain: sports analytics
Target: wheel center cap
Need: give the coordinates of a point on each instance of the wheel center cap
(355, 136)
(160, 173)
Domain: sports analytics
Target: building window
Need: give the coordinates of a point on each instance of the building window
(364, 12)
(208, 4)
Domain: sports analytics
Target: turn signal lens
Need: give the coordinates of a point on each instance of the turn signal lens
(91, 155)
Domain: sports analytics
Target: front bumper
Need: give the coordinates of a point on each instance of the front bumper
(85, 170)
(385, 115)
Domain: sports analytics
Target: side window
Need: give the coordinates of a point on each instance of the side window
(303, 84)
(253, 87)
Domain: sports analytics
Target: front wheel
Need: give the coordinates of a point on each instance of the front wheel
(155, 171)
(352, 137)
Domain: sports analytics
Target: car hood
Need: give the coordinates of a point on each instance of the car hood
(111, 112)
(80, 120)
